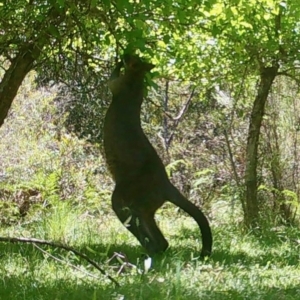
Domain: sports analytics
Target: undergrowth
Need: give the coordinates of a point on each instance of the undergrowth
(55, 186)
(243, 266)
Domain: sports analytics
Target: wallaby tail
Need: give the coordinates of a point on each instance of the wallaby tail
(179, 200)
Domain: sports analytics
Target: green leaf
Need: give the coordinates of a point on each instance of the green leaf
(54, 31)
(94, 3)
(61, 3)
(166, 39)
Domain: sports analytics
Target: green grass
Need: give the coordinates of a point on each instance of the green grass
(243, 266)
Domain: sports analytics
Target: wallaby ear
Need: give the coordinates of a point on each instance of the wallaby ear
(126, 59)
(134, 62)
(131, 62)
(149, 67)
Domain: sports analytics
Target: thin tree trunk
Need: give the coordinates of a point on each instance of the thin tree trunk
(23, 62)
(251, 212)
(165, 118)
(14, 76)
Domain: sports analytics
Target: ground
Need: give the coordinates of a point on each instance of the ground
(264, 265)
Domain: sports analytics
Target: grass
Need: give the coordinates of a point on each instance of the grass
(241, 267)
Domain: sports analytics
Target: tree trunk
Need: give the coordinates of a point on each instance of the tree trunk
(24, 60)
(251, 212)
(165, 118)
(14, 76)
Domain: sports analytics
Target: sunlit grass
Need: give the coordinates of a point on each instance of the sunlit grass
(242, 267)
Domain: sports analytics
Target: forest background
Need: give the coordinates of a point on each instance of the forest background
(222, 111)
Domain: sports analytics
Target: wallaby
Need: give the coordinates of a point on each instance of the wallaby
(141, 182)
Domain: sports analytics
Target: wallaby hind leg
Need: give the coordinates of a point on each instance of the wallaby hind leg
(140, 223)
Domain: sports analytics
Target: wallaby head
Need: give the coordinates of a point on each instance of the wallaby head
(134, 72)
(135, 65)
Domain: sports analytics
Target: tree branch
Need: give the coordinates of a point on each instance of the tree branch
(61, 246)
(180, 116)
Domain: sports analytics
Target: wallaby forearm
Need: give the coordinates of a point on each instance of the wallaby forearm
(114, 81)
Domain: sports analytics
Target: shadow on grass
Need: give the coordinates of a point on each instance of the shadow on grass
(26, 287)
(268, 245)
(135, 254)
(133, 286)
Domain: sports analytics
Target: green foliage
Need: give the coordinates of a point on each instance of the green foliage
(202, 177)
(173, 166)
(210, 46)
(55, 185)
(220, 40)
(215, 35)
(42, 164)
(9, 211)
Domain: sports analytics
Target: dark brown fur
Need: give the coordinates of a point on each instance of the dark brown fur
(142, 185)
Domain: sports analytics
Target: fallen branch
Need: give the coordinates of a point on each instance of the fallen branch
(58, 245)
(65, 262)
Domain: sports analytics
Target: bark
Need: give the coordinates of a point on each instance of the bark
(14, 76)
(23, 61)
(251, 211)
(165, 118)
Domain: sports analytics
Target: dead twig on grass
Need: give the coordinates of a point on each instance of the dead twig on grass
(61, 246)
